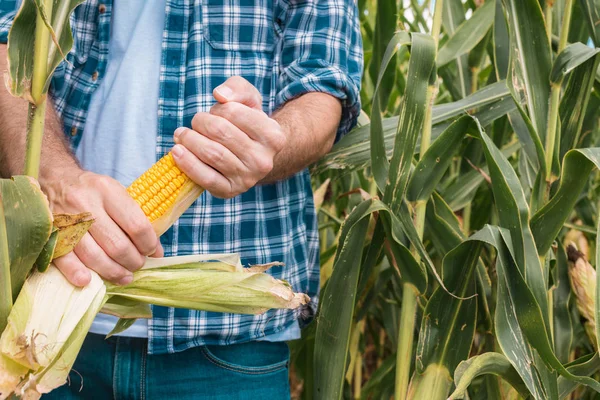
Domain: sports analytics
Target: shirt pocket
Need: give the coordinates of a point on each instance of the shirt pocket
(239, 25)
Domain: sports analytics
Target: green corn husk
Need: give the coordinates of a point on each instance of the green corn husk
(51, 317)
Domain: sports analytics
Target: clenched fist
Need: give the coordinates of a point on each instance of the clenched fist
(231, 148)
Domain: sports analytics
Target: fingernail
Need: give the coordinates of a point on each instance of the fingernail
(224, 91)
(126, 281)
(177, 150)
(178, 133)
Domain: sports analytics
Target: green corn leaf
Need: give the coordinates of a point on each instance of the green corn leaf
(528, 312)
(21, 43)
(28, 223)
(46, 256)
(584, 366)
(513, 212)
(412, 117)
(591, 11)
(337, 308)
(570, 58)
(379, 159)
(461, 192)
(384, 32)
(126, 308)
(548, 221)
(468, 34)
(530, 58)
(563, 326)
(484, 364)
(433, 164)
(121, 326)
(448, 324)
(353, 151)
(452, 17)
(575, 102)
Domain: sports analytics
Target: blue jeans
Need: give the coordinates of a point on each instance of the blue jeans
(120, 368)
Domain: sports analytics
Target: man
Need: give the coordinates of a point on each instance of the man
(246, 94)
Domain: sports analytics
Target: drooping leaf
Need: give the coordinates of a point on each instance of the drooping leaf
(483, 364)
(548, 221)
(21, 44)
(448, 324)
(570, 58)
(584, 366)
(353, 150)
(28, 224)
(528, 312)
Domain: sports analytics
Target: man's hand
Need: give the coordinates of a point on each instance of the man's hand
(233, 147)
(118, 240)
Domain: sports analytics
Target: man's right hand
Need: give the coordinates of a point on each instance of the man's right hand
(119, 239)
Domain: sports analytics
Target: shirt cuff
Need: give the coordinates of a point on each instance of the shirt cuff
(313, 76)
(6, 21)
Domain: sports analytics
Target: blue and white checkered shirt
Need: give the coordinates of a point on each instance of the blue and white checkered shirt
(283, 47)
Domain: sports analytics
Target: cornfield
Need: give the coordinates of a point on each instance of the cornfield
(459, 221)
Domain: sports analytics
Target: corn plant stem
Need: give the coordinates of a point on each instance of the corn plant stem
(555, 95)
(357, 378)
(35, 132)
(37, 108)
(405, 340)
(5, 280)
(548, 18)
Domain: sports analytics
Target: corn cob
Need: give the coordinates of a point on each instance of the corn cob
(164, 193)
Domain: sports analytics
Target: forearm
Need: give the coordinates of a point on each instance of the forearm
(56, 155)
(311, 123)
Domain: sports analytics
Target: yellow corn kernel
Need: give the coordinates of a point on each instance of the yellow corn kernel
(156, 190)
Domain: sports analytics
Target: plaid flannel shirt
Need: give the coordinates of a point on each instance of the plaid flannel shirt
(283, 47)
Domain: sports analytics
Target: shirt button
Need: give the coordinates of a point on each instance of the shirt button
(102, 8)
(95, 76)
(74, 131)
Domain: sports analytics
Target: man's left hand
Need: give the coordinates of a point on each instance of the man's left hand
(231, 148)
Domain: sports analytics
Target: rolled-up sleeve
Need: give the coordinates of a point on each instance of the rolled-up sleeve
(7, 15)
(322, 52)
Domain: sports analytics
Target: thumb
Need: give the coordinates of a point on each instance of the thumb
(239, 90)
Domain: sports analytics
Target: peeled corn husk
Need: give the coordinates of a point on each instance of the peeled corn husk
(50, 319)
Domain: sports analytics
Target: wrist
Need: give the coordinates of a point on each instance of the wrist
(53, 177)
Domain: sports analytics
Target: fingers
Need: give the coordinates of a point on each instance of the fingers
(224, 132)
(73, 269)
(159, 252)
(212, 153)
(92, 255)
(239, 90)
(202, 174)
(255, 124)
(117, 245)
(126, 213)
